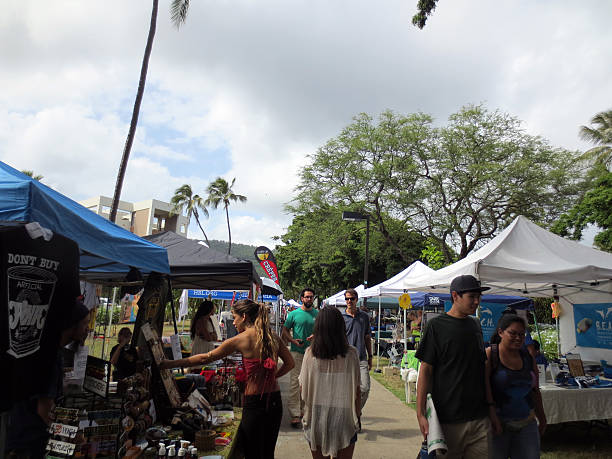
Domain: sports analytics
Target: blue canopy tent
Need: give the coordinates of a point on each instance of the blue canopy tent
(107, 251)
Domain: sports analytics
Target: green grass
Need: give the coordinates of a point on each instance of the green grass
(393, 383)
(95, 345)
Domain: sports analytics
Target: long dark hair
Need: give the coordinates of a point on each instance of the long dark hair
(257, 314)
(206, 306)
(329, 334)
(504, 322)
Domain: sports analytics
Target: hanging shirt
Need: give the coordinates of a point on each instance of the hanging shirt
(40, 282)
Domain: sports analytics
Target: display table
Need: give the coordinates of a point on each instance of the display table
(565, 404)
(229, 451)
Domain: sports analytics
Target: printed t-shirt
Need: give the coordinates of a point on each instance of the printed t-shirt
(356, 329)
(40, 281)
(455, 349)
(302, 323)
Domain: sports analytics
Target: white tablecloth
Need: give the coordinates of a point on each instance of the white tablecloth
(563, 405)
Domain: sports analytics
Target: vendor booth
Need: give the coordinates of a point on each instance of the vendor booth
(99, 417)
(525, 259)
(105, 248)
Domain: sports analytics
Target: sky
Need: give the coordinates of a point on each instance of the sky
(248, 89)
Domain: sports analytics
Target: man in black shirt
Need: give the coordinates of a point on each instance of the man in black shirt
(453, 370)
(123, 357)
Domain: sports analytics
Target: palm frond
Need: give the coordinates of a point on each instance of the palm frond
(178, 12)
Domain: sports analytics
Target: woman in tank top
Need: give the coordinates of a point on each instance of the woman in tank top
(260, 349)
(203, 334)
(513, 394)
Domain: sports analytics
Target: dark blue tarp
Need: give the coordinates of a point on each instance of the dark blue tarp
(105, 247)
(434, 300)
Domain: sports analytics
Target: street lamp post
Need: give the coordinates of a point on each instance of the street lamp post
(358, 217)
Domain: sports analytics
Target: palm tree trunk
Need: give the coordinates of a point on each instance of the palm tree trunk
(135, 113)
(195, 214)
(229, 231)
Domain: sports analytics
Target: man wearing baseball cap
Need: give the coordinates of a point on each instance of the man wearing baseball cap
(452, 369)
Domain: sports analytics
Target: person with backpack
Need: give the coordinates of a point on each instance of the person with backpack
(514, 392)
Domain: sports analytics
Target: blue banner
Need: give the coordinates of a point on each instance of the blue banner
(217, 294)
(489, 316)
(593, 322)
(226, 295)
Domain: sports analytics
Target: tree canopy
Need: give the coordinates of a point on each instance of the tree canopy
(600, 133)
(324, 252)
(594, 207)
(457, 185)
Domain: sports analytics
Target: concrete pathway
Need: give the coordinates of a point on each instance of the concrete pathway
(389, 429)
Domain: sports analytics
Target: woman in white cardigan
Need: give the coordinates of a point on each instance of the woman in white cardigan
(329, 382)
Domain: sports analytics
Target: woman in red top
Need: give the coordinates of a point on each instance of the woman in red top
(260, 348)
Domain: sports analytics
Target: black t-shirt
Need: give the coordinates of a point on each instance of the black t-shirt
(40, 281)
(126, 364)
(455, 349)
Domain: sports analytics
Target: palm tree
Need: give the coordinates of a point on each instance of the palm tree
(31, 174)
(601, 135)
(184, 198)
(178, 13)
(219, 192)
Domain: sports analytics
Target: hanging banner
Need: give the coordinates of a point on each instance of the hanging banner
(219, 294)
(489, 316)
(593, 322)
(268, 262)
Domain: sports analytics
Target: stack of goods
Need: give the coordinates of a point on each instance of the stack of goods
(138, 407)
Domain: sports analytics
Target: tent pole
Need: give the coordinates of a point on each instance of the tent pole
(172, 306)
(107, 321)
(535, 321)
(405, 330)
(378, 340)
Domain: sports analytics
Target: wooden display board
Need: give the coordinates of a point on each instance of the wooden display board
(157, 352)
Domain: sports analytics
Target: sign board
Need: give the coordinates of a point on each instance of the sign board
(404, 301)
(176, 347)
(157, 352)
(218, 294)
(97, 376)
(593, 322)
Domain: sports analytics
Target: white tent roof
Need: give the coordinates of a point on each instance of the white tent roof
(338, 298)
(525, 259)
(394, 286)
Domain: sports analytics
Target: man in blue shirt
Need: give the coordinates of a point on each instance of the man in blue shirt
(358, 334)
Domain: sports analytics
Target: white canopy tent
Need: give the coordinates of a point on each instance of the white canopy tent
(394, 286)
(338, 298)
(525, 259)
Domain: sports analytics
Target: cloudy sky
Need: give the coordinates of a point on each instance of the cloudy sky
(249, 88)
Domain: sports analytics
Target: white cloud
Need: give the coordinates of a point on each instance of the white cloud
(248, 88)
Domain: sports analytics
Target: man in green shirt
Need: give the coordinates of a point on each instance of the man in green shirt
(301, 323)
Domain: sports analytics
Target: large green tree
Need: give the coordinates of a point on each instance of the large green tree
(178, 12)
(221, 192)
(600, 133)
(594, 207)
(458, 185)
(322, 251)
(193, 204)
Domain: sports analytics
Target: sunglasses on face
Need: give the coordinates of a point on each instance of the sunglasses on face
(350, 298)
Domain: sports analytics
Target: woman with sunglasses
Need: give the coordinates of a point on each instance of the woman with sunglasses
(513, 394)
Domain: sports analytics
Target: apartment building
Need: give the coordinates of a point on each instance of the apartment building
(141, 218)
